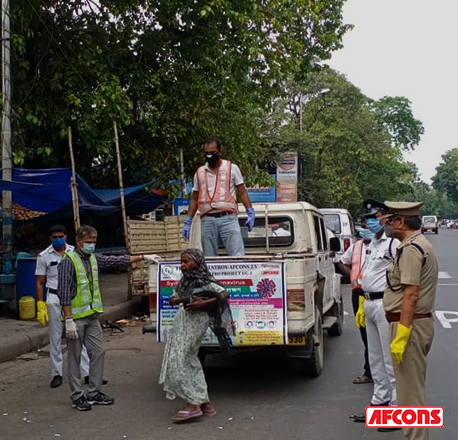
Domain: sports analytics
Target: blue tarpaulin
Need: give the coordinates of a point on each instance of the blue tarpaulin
(49, 190)
(138, 199)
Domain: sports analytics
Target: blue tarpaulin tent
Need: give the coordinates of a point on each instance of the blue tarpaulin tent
(138, 199)
(48, 190)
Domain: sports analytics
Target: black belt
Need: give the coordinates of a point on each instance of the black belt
(53, 291)
(218, 214)
(373, 295)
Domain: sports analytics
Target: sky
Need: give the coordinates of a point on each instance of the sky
(407, 48)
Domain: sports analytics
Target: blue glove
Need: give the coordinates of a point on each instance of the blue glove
(187, 227)
(250, 220)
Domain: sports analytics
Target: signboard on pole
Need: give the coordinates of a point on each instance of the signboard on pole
(257, 291)
(287, 172)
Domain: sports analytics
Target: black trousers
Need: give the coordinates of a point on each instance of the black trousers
(355, 303)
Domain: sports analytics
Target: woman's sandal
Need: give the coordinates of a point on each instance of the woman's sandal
(362, 379)
(182, 415)
(208, 412)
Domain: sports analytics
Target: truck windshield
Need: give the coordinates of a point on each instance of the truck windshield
(429, 220)
(280, 231)
(333, 222)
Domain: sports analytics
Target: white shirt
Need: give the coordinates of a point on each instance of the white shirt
(378, 258)
(236, 179)
(347, 256)
(47, 264)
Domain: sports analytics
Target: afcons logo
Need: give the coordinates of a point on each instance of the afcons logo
(404, 416)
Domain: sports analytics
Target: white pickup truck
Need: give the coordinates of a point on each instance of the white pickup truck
(284, 291)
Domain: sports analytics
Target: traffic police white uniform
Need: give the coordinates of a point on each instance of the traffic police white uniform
(47, 264)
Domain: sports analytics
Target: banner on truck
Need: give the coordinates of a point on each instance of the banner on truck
(257, 290)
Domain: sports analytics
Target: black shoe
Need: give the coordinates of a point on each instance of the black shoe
(361, 417)
(56, 382)
(100, 399)
(86, 380)
(82, 404)
(388, 429)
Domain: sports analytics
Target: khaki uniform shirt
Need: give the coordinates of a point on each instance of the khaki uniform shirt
(408, 268)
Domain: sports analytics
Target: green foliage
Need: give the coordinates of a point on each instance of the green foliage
(346, 153)
(171, 73)
(446, 179)
(395, 116)
(436, 202)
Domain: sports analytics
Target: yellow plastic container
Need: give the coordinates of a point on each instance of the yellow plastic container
(27, 307)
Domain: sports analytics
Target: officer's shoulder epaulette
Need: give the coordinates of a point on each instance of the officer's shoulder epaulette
(416, 246)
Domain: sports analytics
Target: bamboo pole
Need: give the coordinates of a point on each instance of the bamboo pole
(76, 212)
(121, 187)
(183, 181)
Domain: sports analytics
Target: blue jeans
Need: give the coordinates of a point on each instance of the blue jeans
(226, 229)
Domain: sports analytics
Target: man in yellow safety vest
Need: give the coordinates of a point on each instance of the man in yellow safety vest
(79, 294)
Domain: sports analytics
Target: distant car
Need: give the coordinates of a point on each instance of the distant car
(429, 223)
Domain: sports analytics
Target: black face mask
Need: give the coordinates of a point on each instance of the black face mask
(212, 158)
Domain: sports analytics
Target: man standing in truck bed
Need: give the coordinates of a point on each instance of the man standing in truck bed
(215, 189)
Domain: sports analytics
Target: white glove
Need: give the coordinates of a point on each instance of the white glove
(71, 331)
(153, 258)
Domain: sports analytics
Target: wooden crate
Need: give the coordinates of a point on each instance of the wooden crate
(162, 238)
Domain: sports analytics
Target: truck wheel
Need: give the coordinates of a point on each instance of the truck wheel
(313, 366)
(436, 231)
(337, 328)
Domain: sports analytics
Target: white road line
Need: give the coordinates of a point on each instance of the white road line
(444, 320)
(444, 275)
(345, 313)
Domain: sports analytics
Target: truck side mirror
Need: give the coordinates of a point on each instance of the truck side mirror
(334, 243)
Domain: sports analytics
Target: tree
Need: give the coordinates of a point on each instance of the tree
(346, 153)
(395, 115)
(446, 178)
(170, 72)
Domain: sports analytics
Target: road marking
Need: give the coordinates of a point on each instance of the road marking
(444, 275)
(446, 322)
(345, 313)
(446, 284)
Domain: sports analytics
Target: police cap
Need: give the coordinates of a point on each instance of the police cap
(372, 207)
(403, 208)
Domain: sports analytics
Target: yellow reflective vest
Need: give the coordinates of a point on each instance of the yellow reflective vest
(88, 299)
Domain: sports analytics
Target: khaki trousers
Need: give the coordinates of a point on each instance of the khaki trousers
(91, 335)
(411, 374)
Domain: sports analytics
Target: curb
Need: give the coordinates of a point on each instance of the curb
(37, 338)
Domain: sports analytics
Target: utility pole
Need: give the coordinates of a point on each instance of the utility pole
(7, 245)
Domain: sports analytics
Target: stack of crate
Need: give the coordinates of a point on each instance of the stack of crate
(162, 238)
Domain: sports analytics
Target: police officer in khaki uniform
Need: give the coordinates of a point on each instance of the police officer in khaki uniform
(409, 302)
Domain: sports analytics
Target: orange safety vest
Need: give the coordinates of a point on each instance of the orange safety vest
(357, 265)
(221, 199)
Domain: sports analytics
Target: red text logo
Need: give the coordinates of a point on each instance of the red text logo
(404, 416)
